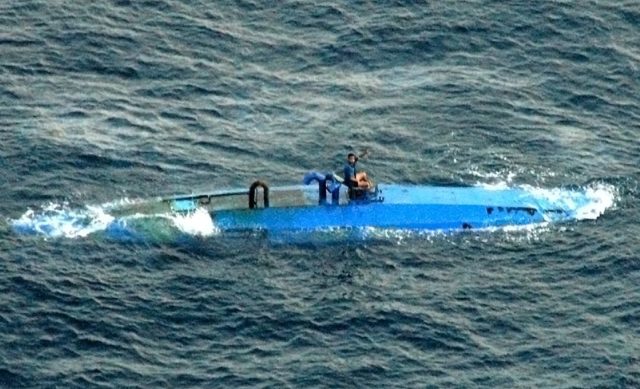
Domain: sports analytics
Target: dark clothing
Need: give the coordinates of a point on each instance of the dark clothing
(349, 175)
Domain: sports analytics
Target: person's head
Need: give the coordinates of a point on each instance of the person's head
(352, 158)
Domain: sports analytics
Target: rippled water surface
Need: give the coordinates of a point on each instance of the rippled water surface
(106, 104)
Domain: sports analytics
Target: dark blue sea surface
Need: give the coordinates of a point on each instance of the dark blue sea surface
(110, 102)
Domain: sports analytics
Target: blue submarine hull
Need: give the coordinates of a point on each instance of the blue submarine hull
(408, 207)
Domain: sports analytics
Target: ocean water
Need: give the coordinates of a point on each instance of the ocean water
(109, 103)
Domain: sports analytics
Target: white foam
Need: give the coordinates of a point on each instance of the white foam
(57, 220)
(587, 203)
(495, 186)
(602, 197)
(198, 223)
(123, 202)
(505, 177)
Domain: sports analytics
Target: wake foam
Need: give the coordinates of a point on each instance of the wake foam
(61, 221)
(58, 220)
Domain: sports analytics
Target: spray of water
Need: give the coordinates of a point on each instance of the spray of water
(60, 221)
(197, 223)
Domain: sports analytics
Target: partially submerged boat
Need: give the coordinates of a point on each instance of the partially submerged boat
(323, 202)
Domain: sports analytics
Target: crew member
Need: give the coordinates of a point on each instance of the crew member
(352, 178)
